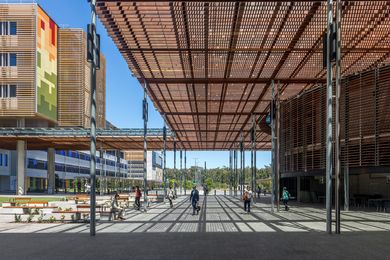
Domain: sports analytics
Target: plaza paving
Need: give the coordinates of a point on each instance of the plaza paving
(219, 214)
(221, 231)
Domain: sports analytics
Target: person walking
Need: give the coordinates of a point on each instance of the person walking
(258, 191)
(170, 196)
(138, 196)
(194, 198)
(205, 190)
(247, 197)
(116, 208)
(285, 197)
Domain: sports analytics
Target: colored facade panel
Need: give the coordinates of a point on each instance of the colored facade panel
(47, 31)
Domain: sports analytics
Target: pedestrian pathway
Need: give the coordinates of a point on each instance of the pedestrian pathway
(218, 214)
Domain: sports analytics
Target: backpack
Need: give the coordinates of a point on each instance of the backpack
(245, 196)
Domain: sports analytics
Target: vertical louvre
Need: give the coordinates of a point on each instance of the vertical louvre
(364, 119)
(23, 75)
(75, 82)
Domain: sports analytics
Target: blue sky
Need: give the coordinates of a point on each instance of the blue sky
(124, 93)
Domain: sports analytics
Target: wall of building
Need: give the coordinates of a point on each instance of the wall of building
(69, 165)
(136, 165)
(22, 75)
(364, 124)
(71, 50)
(46, 93)
(47, 87)
(74, 81)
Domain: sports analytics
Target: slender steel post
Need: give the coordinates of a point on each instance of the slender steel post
(101, 184)
(181, 172)
(253, 154)
(204, 173)
(337, 123)
(329, 134)
(174, 165)
(92, 226)
(230, 172)
(243, 166)
(346, 188)
(241, 163)
(145, 118)
(277, 150)
(273, 147)
(185, 171)
(235, 172)
(165, 160)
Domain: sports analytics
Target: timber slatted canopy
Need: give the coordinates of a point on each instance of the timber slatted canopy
(208, 65)
(79, 138)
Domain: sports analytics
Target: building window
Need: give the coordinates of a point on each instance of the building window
(7, 91)
(4, 28)
(8, 59)
(12, 59)
(6, 160)
(8, 28)
(12, 28)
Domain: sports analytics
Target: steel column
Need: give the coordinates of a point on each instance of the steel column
(165, 160)
(243, 166)
(241, 163)
(235, 172)
(101, 183)
(273, 147)
(346, 188)
(230, 172)
(329, 134)
(92, 226)
(254, 153)
(337, 123)
(181, 172)
(185, 171)
(145, 118)
(277, 150)
(174, 165)
(204, 173)
(252, 168)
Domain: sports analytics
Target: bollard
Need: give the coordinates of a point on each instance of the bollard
(224, 192)
(215, 192)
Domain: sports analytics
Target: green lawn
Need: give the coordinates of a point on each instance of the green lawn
(4, 199)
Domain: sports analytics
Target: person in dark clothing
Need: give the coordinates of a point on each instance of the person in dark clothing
(138, 196)
(258, 191)
(194, 198)
(205, 191)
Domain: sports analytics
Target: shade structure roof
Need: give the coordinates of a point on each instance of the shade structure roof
(209, 65)
(79, 138)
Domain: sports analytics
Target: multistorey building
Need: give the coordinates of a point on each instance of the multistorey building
(74, 80)
(45, 81)
(71, 167)
(135, 160)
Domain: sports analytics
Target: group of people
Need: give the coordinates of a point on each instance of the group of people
(118, 210)
(247, 198)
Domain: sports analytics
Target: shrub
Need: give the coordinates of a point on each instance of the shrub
(52, 219)
(30, 218)
(40, 218)
(18, 218)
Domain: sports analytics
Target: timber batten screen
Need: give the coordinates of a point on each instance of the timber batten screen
(364, 119)
(209, 64)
